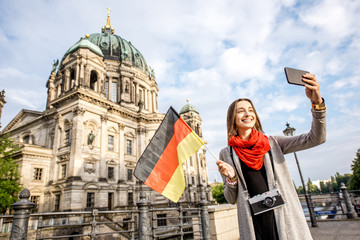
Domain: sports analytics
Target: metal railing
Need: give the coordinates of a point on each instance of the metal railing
(339, 205)
(145, 222)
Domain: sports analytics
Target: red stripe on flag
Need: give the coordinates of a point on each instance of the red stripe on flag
(168, 162)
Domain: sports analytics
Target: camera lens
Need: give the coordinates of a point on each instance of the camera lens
(269, 201)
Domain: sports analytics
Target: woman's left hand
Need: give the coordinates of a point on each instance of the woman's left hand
(312, 88)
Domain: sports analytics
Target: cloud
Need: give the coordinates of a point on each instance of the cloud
(334, 19)
(211, 53)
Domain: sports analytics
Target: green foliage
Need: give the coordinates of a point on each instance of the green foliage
(354, 182)
(337, 180)
(311, 188)
(300, 190)
(218, 193)
(9, 175)
(324, 187)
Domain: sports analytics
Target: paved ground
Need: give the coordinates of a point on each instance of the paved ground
(336, 230)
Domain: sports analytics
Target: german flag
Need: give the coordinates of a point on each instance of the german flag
(160, 166)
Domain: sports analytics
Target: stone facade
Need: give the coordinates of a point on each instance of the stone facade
(101, 113)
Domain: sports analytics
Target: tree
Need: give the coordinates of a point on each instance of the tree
(336, 181)
(311, 188)
(324, 187)
(300, 190)
(354, 182)
(218, 193)
(342, 178)
(9, 175)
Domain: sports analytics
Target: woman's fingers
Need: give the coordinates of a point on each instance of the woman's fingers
(225, 169)
(312, 88)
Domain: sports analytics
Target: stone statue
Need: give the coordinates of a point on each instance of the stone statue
(152, 72)
(91, 138)
(141, 105)
(55, 64)
(2, 95)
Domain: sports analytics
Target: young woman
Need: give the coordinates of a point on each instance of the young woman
(254, 164)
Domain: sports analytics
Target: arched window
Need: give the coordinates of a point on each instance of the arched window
(26, 139)
(72, 78)
(93, 80)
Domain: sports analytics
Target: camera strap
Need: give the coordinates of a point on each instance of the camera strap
(271, 159)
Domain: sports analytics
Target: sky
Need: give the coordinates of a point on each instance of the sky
(210, 52)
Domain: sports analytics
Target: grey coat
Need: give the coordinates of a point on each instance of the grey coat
(290, 219)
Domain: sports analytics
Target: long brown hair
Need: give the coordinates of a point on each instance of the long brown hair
(231, 115)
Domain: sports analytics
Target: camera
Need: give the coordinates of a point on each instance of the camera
(266, 201)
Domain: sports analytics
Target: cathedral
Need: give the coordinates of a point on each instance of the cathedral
(101, 112)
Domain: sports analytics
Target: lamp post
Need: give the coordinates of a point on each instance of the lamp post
(289, 131)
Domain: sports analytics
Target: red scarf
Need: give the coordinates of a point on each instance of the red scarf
(251, 152)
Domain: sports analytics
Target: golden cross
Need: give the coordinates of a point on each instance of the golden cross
(109, 10)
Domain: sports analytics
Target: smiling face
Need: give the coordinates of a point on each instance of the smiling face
(242, 115)
(245, 117)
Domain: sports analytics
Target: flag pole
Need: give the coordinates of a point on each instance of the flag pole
(215, 157)
(211, 152)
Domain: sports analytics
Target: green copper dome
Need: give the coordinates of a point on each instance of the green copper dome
(116, 48)
(187, 108)
(111, 46)
(84, 43)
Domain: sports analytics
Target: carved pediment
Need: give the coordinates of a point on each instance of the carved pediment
(130, 164)
(23, 117)
(111, 162)
(64, 158)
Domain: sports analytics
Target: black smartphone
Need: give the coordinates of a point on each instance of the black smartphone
(294, 76)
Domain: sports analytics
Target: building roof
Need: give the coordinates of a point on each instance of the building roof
(187, 108)
(111, 46)
(84, 43)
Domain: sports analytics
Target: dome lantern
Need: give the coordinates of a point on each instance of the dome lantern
(108, 25)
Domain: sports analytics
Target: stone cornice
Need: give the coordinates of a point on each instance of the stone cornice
(82, 94)
(34, 152)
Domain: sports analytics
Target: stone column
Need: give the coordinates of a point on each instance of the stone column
(350, 211)
(82, 75)
(146, 99)
(144, 232)
(205, 223)
(103, 146)
(67, 80)
(21, 216)
(77, 75)
(121, 156)
(141, 140)
(156, 105)
(59, 128)
(148, 93)
(77, 130)
(136, 94)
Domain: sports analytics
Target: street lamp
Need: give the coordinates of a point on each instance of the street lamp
(289, 131)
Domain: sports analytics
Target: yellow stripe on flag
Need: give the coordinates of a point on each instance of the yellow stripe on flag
(185, 149)
(176, 185)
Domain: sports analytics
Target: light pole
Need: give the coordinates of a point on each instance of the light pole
(289, 131)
